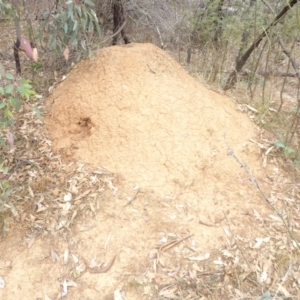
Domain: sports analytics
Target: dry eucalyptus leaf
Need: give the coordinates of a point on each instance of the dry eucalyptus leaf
(75, 258)
(200, 258)
(66, 256)
(30, 241)
(66, 53)
(35, 55)
(119, 295)
(65, 286)
(67, 197)
(2, 283)
(170, 294)
(148, 290)
(54, 256)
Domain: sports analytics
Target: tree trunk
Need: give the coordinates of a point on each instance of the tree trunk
(119, 20)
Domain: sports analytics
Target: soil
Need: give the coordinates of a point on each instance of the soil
(172, 146)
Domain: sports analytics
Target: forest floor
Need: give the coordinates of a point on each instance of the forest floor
(142, 183)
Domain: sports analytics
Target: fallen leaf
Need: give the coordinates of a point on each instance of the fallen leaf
(35, 55)
(200, 258)
(66, 53)
(2, 283)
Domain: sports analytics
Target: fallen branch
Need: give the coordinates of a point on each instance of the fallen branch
(171, 244)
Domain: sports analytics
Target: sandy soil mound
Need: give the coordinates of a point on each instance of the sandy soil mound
(134, 110)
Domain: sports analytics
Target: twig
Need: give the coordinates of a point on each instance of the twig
(173, 243)
(133, 197)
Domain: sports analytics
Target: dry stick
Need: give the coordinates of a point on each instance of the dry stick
(173, 243)
(254, 180)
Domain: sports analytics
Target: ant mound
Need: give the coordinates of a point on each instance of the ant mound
(136, 112)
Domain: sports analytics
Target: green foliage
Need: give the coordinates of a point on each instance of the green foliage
(11, 94)
(5, 191)
(71, 25)
(286, 149)
(5, 8)
(207, 21)
(265, 296)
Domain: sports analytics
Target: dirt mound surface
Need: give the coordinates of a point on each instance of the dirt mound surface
(136, 112)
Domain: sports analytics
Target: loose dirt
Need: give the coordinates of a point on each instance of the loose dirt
(167, 140)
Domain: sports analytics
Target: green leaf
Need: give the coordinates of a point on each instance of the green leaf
(78, 8)
(98, 29)
(83, 44)
(9, 76)
(94, 14)
(83, 22)
(16, 103)
(2, 70)
(53, 44)
(1, 90)
(38, 113)
(27, 86)
(66, 27)
(265, 296)
(91, 26)
(2, 104)
(89, 2)
(5, 170)
(288, 151)
(75, 25)
(21, 90)
(9, 88)
(279, 144)
(5, 184)
(8, 113)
